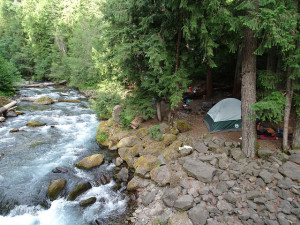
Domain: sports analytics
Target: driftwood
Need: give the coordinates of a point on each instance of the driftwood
(136, 122)
(44, 84)
(54, 100)
(8, 106)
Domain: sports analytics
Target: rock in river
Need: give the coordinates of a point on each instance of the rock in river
(90, 161)
(35, 124)
(55, 187)
(79, 190)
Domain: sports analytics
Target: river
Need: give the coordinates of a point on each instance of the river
(29, 156)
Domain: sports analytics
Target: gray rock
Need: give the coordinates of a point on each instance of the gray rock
(199, 170)
(260, 200)
(270, 207)
(116, 113)
(224, 206)
(223, 163)
(119, 161)
(282, 219)
(198, 215)
(264, 153)
(285, 183)
(222, 186)
(290, 170)
(163, 128)
(284, 194)
(211, 221)
(11, 113)
(266, 176)
(245, 215)
(161, 175)
(200, 147)
(271, 222)
(149, 197)
(123, 174)
(260, 182)
(253, 194)
(184, 202)
(237, 154)
(270, 196)
(230, 197)
(170, 196)
(295, 158)
(180, 219)
(161, 160)
(285, 207)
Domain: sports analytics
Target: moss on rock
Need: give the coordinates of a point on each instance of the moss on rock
(142, 132)
(145, 164)
(80, 189)
(154, 148)
(128, 142)
(182, 125)
(35, 124)
(171, 152)
(169, 139)
(44, 101)
(55, 187)
(87, 202)
(90, 161)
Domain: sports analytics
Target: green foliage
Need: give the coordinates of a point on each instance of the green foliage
(108, 95)
(8, 76)
(271, 108)
(102, 136)
(155, 132)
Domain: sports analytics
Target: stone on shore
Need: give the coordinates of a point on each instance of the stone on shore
(182, 125)
(90, 161)
(198, 215)
(199, 170)
(291, 170)
(180, 219)
(55, 187)
(128, 142)
(136, 183)
(145, 164)
(264, 153)
(161, 175)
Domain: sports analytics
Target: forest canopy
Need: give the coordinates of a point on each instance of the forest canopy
(155, 48)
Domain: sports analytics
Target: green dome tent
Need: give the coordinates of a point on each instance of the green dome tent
(224, 116)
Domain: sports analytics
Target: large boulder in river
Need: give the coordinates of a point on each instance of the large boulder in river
(55, 187)
(80, 189)
(44, 101)
(35, 124)
(87, 202)
(90, 161)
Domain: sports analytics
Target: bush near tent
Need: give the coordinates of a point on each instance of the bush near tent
(224, 116)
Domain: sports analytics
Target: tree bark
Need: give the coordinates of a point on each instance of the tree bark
(296, 135)
(6, 107)
(237, 77)
(158, 110)
(287, 111)
(209, 86)
(248, 93)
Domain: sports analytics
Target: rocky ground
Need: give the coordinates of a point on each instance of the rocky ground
(181, 180)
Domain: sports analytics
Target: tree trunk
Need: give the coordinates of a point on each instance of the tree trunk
(158, 110)
(179, 37)
(296, 135)
(287, 111)
(6, 107)
(209, 87)
(237, 77)
(248, 93)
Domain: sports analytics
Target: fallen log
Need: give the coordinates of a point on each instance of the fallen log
(44, 84)
(8, 106)
(54, 100)
(136, 122)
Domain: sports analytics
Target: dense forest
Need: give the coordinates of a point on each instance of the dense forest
(132, 51)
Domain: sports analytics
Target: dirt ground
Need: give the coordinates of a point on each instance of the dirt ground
(195, 114)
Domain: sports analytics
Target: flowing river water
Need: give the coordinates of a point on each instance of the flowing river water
(29, 156)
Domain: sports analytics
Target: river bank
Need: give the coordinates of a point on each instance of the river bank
(182, 179)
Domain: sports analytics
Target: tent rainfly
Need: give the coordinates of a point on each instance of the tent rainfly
(224, 116)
